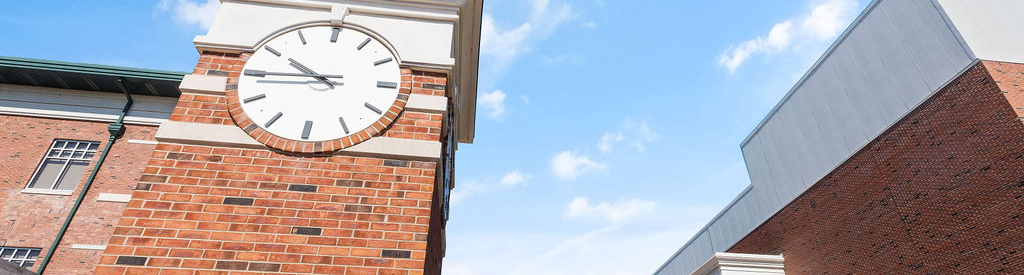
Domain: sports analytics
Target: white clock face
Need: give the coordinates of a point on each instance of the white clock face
(319, 83)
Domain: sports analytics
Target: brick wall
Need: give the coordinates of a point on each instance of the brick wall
(940, 192)
(32, 220)
(219, 210)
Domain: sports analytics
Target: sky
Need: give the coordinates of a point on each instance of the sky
(607, 131)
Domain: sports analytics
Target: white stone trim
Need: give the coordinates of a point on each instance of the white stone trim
(41, 191)
(205, 134)
(111, 197)
(89, 246)
(140, 141)
(427, 104)
(232, 136)
(742, 264)
(203, 84)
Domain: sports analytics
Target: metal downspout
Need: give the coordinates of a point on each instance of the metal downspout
(116, 129)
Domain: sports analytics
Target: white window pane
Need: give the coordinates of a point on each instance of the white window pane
(70, 145)
(58, 144)
(77, 155)
(74, 174)
(32, 255)
(89, 155)
(93, 146)
(49, 172)
(6, 253)
(82, 146)
(54, 153)
(65, 154)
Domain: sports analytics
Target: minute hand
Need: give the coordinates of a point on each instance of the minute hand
(310, 71)
(266, 73)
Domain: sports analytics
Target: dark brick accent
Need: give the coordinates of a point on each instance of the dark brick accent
(433, 86)
(274, 186)
(420, 237)
(395, 254)
(180, 156)
(238, 201)
(396, 163)
(264, 267)
(306, 231)
(230, 87)
(143, 186)
(216, 72)
(153, 178)
(302, 188)
(348, 183)
(131, 260)
(359, 208)
(232, 265)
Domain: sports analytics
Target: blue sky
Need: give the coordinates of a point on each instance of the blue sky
(608, 132)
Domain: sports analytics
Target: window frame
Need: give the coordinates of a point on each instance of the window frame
(21, 261)
(87, 154)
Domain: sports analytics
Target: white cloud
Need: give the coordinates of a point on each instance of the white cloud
(465, 190)
(494, 102)
(591, 25)
(607, 141)
(504, 45)
(514, 178)
(644, 135)
(568, 166)
(618, 212)
(190, 13)
(828, 19)
(562, 59)
(637, 135)
(824, 21)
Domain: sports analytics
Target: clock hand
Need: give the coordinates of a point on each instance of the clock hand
(310, 71)
(260, 73)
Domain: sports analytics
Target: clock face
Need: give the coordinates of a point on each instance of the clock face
(319, 83)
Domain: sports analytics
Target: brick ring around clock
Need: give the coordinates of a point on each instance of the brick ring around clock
(318, 89)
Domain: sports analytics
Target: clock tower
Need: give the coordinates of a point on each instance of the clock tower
(313, 137)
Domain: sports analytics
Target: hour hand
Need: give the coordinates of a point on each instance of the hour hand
(260, 73)
(307, 70)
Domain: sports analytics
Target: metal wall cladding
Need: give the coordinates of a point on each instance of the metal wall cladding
(992, 28)
(892, 59)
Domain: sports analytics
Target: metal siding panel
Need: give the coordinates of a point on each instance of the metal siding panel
(915, 35)
(774, 166)
(813, 144)
(850, 79)
(787, 145)
(828, 127)
(848, 118)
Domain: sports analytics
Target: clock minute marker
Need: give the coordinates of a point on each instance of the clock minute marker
(361, 45)
(272, 120)
(372, 108)
(302, 37)
(343, 125)
(388, 85)
(334, 34)
(306, 129)
(382, 61)
(272, 50)
(254, 98)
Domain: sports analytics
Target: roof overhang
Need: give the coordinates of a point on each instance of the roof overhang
(88, 77)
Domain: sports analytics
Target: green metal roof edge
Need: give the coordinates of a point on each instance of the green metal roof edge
(94, 69)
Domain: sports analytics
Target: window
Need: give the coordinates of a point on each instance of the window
(64, 164)
(24, 257)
